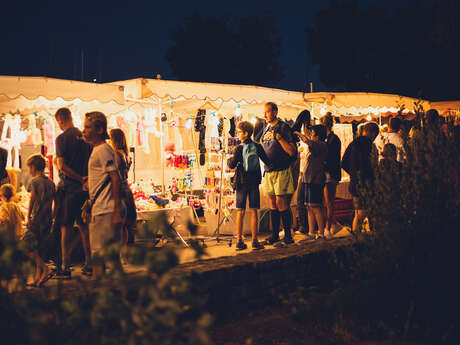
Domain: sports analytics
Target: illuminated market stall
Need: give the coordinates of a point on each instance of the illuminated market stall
(180, 134)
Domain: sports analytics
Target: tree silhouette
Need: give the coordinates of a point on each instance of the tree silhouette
(243, 51)
(412, 51)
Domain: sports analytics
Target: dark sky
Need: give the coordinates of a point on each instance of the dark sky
(128, 39)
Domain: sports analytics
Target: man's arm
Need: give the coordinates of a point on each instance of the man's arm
(115, 179)
(68, 171)
(262, 155)
(288, 147)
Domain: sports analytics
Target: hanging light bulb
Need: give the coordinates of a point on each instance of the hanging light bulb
(368, 117)
(322, 111)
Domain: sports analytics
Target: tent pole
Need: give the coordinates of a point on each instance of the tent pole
(162, 148)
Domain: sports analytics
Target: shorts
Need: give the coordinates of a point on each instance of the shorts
(34, 238)
(314, 194)
(245, 191)
(103, 233)
(279, 182)
(68, 206)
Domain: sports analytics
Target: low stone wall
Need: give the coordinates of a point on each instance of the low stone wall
(253, 280)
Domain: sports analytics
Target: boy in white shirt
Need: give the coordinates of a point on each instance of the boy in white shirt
(391, 137)
(104, 189)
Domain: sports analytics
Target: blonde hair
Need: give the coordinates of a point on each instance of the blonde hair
(118, 140)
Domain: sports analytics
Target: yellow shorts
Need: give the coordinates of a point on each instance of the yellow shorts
(278, 182)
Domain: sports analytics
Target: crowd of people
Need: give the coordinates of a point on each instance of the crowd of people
(307, 159)
(93, 194)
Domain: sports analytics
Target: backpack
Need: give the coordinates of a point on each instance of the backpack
(250, 158)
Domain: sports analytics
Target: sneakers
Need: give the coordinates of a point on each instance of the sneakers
(327, 234)
(256, 245)
(64, 274)
(319, 237)
(308, 238)
(272, 240)
(241, 245)
(288, 240)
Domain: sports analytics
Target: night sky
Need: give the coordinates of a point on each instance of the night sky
(128, 39)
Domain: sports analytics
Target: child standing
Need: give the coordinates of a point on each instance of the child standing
(314, 178)
(246, 158)
(11, 216)
(42, 193)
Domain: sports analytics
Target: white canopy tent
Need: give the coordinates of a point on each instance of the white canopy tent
(188, 97)
(38, 94)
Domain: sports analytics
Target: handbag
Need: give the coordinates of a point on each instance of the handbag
(88, 205)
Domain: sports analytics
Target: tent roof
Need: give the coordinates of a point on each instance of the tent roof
(446, 106)
(31, 94)
(190, 96)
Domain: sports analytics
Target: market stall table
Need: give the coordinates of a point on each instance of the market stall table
(178, 217)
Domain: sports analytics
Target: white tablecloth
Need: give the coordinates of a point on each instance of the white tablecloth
(179, 216)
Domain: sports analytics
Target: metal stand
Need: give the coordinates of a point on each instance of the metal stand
(217, 236)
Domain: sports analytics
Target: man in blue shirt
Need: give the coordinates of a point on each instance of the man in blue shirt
(279, 145)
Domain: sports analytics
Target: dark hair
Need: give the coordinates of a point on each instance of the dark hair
(371, 127)
(99, 121)
(328, 121)
(64, 114)
(272, 105)
(395, 124)
(7, 190)
(246, 127)
(432, 116)
(320, 132)
(389, 151)
(117, 136)
(37, 161)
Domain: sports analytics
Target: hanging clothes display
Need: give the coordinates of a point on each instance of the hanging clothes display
(50, 135)
(11, 139)
(33, 134)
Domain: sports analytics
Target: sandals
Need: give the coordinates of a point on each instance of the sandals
(48, 277)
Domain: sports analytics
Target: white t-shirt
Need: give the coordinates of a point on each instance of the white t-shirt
(101, 162)
(390, 138)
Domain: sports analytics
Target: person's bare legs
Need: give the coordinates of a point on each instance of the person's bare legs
(98, 272)
(319, 217)
(84, 234)
(45, 270)
(311, 221)
(41, 269)
(358, 221)
(239, 224)
(282, 202)
(124, 244)
(330, 190)
(38, 271)
(65, 245)
(254, 223)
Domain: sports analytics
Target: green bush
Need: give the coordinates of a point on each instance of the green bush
(399, 281)
(159, 307)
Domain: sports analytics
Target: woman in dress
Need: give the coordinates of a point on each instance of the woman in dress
(118, 142)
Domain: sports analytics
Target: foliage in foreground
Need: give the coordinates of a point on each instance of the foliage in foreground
(157, 308)
(399, 281)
